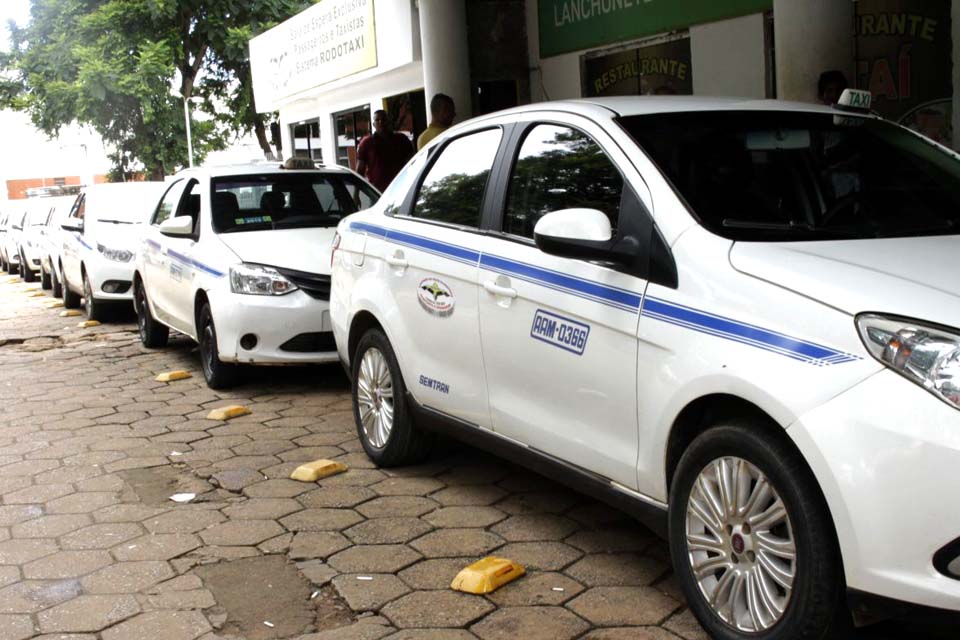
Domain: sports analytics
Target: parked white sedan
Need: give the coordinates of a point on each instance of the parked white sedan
(9, 259)
(97, 254)
(238, 258)
(51, 243)
(739, 320)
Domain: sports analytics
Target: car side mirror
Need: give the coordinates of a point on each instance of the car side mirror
(178, 227)
(72, 226)
(585, 234)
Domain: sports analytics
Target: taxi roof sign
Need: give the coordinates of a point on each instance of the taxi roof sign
(298, 164)
(855, 100)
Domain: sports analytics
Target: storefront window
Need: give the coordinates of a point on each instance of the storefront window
(904, 59)
(408, 113)
(661, 68)
(306, 140)
(351, 126)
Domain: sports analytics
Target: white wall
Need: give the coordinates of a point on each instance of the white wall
(812, 36)
(728, 57)
(370, 91)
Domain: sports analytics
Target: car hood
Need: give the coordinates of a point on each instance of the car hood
(114, 236)
(305, 249)
(912, 277)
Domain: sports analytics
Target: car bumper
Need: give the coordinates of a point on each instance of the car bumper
(887, 455)
(111, 280)
(32, 257)
(289, 329)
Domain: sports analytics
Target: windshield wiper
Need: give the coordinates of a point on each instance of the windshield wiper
(116, 221)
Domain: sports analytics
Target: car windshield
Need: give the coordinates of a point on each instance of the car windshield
(128, 203)
(286, 200)
(780, 176)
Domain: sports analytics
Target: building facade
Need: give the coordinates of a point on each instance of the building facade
(327, 69)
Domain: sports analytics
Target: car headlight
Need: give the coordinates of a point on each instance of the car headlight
(255, 279)
(117, 255)
(922, 353)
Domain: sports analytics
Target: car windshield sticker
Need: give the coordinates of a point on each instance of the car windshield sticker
(252, 220)
(436, 385)
(435, 297)
(559, 331)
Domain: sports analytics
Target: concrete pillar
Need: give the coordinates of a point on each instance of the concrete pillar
(811, 36)
(955, 36)
(446, 62)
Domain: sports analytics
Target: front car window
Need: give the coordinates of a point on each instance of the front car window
(560, 168)
(780, 175)
(168, 203)
(286, 200)
(453, 188)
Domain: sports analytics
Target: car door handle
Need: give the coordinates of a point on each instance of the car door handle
(397, 260)
(497, 290)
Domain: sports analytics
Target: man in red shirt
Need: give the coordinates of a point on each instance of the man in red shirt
(381, 155)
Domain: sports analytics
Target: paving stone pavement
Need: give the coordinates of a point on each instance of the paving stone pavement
(91, 448)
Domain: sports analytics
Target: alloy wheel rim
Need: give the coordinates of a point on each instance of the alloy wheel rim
(141, 310)
(375, 397)
(740, 545)
(87, 294)
(206, 349)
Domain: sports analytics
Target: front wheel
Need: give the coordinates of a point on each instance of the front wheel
(751, 539)
(94, 308)
(380, 410)
(70, 299)
(219, 374)
(153, 335)
(56, 285)
(25, 272)
(45, 280)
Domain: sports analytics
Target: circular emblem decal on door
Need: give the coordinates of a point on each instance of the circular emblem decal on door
(435, 297)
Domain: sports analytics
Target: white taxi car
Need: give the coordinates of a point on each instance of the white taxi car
(30, 238)
(238, 258)
(739, 320)
(103, 231)
(51, 242)
(8, 261)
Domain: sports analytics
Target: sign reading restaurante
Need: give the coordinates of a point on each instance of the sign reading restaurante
(330, 40)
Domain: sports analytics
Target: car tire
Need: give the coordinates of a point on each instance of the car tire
(3, 264)
(45, 281)
(71, 300)
(25, 271)
(380, 411)
(798, 598)
(55, 285)
(96, 310)
(219, 375)
(153, 335)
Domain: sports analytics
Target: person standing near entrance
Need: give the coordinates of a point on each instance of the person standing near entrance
(381, 155)
(442, 113)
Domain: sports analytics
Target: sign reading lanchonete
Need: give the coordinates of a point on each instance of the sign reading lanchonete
(330, 40)
(572, 25)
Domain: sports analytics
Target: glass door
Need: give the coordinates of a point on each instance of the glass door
(351, 126)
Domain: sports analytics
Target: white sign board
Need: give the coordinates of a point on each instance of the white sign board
(330, 40)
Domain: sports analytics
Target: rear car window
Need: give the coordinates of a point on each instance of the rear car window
(286, 200)
(781, 175)
(560, 168)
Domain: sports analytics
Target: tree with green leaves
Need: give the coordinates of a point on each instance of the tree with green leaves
(112, 64)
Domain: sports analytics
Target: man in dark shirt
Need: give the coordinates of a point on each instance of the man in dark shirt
(381, 155)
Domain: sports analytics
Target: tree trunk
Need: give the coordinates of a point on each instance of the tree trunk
(261, 132)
